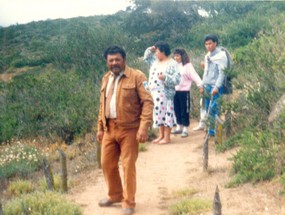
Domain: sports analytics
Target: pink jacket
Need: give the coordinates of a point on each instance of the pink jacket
(188, 74)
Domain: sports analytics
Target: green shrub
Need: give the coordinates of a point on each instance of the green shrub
(19, 187)
(30, 62)
(256, 160)
(41, 203)
(19, 160)
(42, 184)
(190, 207)
(230, 143)
(52, 104)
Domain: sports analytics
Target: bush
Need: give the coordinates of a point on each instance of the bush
(53, 103)
(19, 187)
(262, 145)
(230, 143)
(256, 160)
(190, 207)
(32, 62)
(19, 160)
(41, 203)
(42, 184)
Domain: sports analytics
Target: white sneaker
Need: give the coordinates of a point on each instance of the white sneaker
(176, 132)
(198, 128)
(184, 134)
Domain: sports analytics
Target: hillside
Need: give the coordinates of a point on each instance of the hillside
(50, 74)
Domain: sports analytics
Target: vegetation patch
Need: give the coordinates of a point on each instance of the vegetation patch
(230, 143)
(187, 192)
(256, 160)
(190, 207)
(142, 147)
(41, 203)
(19, 187)
(282, 182)
(183, 202)
(42, 184)
(19, 160)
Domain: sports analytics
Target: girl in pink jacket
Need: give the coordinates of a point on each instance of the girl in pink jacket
(182, 91)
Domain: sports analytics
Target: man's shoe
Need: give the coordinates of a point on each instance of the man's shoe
(198, 128)
(128, 211)
(176, 132)
(184, 134)
(106, 202)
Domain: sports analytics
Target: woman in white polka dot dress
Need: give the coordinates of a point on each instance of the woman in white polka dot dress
(163, 76)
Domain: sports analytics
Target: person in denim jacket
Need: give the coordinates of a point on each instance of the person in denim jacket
(213, 77)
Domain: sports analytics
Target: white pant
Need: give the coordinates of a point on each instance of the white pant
(203, 114)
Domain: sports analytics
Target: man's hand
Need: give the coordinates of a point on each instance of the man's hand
(202, 90)
(215, 91)
(100, 135)
(142, 136)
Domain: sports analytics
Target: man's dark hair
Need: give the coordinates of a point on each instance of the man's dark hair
(114, 50)
(212, 37)
(163, 47)
(183, 54)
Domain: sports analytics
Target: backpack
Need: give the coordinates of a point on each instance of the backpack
(227, 84)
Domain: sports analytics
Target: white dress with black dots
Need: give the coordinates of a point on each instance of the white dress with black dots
(163, 113)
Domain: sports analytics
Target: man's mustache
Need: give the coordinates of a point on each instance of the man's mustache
(115, 67)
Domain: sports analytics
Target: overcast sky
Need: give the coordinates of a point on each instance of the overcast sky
(24, 11)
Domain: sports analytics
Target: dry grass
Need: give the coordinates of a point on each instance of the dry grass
(183, 202)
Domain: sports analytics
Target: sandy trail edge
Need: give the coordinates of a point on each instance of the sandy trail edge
(163, 169)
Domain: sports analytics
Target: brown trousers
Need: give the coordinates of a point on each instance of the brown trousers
(120, 142)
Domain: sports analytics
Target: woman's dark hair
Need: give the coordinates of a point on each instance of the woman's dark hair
(183, 54)
(212, 37)
(114, 50)
(163, 47)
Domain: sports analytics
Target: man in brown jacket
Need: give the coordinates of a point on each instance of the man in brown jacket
(124, 117)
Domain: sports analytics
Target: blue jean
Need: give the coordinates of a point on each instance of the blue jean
(214, 108)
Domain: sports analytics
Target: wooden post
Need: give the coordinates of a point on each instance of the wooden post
(228, 122)
(63, 171)
(217, 205)
(1, 210)
(219, 139)
(48, 174)
(98, 150)
(205, 153)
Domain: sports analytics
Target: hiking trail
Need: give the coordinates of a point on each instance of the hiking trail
(163, 169)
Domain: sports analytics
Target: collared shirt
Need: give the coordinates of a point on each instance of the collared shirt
(113, 111)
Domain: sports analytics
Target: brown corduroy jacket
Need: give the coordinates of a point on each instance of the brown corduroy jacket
(134, 104)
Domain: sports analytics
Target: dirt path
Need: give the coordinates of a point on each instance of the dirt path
(163, 169)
